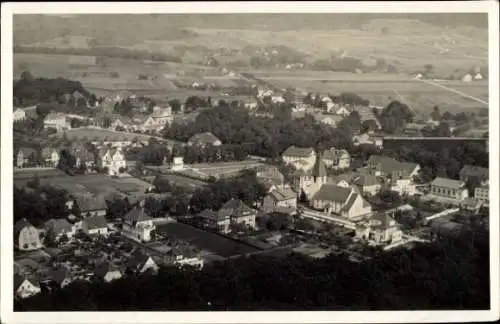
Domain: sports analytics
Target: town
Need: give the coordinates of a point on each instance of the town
(118, 185)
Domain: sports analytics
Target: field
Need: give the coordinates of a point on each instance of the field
(205, 240)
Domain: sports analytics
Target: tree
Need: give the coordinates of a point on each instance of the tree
(304, 225)
(278, 221)
(27, 76)
(35, 183)
(66, 160)
(161, 184)
(117, 208)
(106, 122)
(436, 115)
(175, 104)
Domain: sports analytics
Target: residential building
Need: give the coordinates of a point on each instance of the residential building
(140, 263)
(467, 78)
(182, 254)
(238, 212)
(307, 182)
(471, 204)
(398, 174)
(95, 225)
(213, 221)
(113, 159)
(482, 193)
(474, 174)
(121, 122)
(59, 227)
(449, 188)
(280, 198)
(138, 224)
(57, 121)
(336, 158)
(368, 139)
(380, 229)
(26, 157)
(18, 115)
(271, 177)
(50, 156)
(330, 120)
(340, 200)
(25, 287)
(26, 236)
(367, 184)
(158, 119)
(60, 277)
(342, 111)
(204, 139)
(107, 272)
(301, 158)
(89, 205)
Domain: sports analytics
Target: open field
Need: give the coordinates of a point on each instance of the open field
(205, 241)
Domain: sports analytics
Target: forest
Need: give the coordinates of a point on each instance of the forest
(450, 274)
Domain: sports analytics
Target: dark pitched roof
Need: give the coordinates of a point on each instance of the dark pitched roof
(137, 260)
(18, 280)
(96, 222)
(332, 192)
(298, 151)
(90, 203)
(20, 224)
(58, 275)
(57, 226)
(234, 208)
(204, 138)
(350, 202)
(137, 214)
(474, 171)
(366, 180)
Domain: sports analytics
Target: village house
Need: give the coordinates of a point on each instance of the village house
(140, 263)
(107, 272)
(277, 99)
(50, 156)
(330, 120)
(57, 121)
(18, 115)
(340, 200)
(113, 159)
(121, 122)
(482, 193)
(336, 158)
(26, 236)
(475, 174)
(300, 158)
(95, 225)
(213, 221)
(25, 287)
(271, 177)
(58, 228)
(280, 198)
(342, 111)
(183, 254)
(380, 229)
(367, 184)
(138, 224)
(204, 139)
(449, 188)
(391, 169)
(158, 119)
(367, 139)
(88, 204)
(26, 157)
(84, 158)
(238, 212)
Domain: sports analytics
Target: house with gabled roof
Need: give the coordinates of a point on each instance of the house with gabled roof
(88, 204)
(140, 263)
(26, 156)
(213, 221)
(113, 159)
(398, 174)
(283, 197)
(336, 158)
(50, 156)
(159, 118)
(95, 225)
(26, 236)
(25, 287)
(300, 157)
(107, 271)
(380, 229)
(138, 224)
(340, 200)
(204, 139)
(238, 212)
(59, 227)
(367, 183)
(474, 173)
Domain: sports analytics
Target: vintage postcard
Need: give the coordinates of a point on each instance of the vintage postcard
(249, 162)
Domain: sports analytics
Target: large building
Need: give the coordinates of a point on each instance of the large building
(300, 158)
(449, 188)
(57, 121)
(26, 236)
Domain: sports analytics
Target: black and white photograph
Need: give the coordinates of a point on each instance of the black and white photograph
(214, 161)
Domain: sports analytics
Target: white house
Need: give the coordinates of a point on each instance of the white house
(95, 225)
(140, 263)
(25, 287)
(296, 155)
(280, 197)
(57, 121)
(158, 119)
(26, 236)
(50, 156)
(113, 159)
(340, 200)
(138, 224)
(18, 115)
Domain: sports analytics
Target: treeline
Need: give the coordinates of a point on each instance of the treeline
(117, 52)
(395, 116)
(448, 274)
(31, 90)
(259, 136)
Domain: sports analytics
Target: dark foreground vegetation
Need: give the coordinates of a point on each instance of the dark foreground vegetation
(449, 274)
